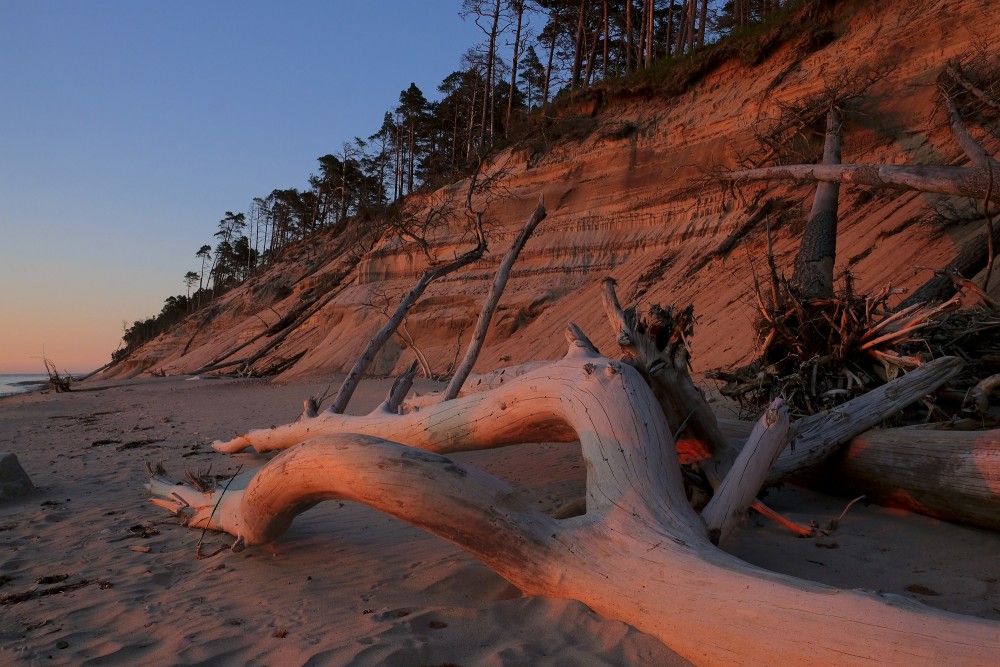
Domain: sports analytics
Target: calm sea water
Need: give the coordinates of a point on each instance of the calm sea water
(16, 384)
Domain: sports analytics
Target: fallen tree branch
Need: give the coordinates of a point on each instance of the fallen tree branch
(732, 497)
(955, 181)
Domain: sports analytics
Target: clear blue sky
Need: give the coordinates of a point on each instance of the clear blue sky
(129, 127)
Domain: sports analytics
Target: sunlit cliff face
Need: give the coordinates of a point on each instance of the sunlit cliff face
(637, 206)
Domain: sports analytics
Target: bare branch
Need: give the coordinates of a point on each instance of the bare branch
(492, 299)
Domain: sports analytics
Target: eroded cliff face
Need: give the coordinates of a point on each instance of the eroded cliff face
(632, 199)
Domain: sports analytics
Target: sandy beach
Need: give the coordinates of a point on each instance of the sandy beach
(95, 574)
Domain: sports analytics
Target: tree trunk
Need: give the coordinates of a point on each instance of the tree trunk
(952, 475)
(972, 258)
(492, 299)
(548, 68)
(591, 57)
(490, 59)
(814, 263)
(682, 28)
(629, 41)
(957, 181)
(640, 554)
(580, 46)
(513, 68)
(692, 16)
(604, 58)
(701, 23)
(666, 369)
(356, 373)
(650, 47)
(640, 56)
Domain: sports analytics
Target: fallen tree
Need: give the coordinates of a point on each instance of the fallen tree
(438, 427)
(948, 474)
(640, 554)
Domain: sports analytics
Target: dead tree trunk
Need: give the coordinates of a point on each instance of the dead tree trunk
(659, 351)
(978, 181)
(958, 181)
(492, 299)
(952, 475)
(356, 373)
(640, 554)
(813, 274)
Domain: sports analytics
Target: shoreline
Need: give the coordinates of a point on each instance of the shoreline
(21, 386)
(346, 584)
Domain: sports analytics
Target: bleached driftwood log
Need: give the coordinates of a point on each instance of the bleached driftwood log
(440, 427)
(953, 475)
(640, 554)
(662, 358)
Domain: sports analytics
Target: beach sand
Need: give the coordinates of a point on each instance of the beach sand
(346, 585)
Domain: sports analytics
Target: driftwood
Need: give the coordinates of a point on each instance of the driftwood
(956, 181)
(953, 475)
(978, 399)
(656, 347)
(431, 427)
(59, 383)
(640, 554)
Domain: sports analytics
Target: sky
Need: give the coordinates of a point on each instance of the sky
(129, 127)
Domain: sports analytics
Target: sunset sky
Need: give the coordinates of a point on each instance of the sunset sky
(128, 129)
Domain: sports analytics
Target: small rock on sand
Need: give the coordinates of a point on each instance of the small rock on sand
(13, 480)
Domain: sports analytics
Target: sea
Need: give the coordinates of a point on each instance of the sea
(18, 384)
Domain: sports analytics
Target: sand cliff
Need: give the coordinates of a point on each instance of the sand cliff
(627, 196)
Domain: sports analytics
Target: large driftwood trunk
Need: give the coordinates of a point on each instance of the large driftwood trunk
(953, 475)
(639, 554)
